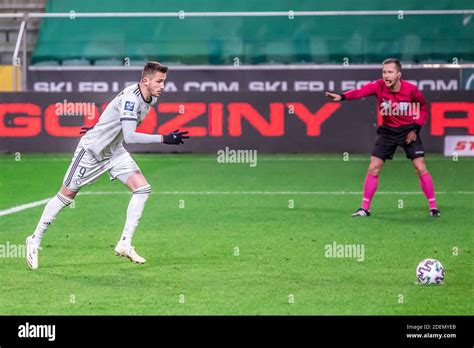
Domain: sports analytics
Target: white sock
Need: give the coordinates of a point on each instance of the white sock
(54, 206)
(134, 213)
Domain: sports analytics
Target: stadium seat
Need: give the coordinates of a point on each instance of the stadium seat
(47, 63)
(109, 62)
(172, 63)
(138, 62)
(465, 61)
(434, 61)
(76, 62)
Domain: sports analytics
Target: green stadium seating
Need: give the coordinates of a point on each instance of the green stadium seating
(256, 40)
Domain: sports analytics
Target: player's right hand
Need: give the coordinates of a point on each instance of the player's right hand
(334, 96)
(175, 138)
(411, 137)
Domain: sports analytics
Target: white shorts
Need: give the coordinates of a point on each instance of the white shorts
(85, 169)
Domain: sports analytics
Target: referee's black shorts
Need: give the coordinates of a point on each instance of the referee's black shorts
(388, 139)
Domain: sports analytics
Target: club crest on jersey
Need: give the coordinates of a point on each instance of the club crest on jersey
(129, 106)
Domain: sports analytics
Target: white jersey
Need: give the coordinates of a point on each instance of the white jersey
(106, 138)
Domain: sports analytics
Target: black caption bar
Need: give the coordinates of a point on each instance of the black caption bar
(54, 330)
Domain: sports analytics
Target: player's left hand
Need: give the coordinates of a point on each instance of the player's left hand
(175, 138)
(411, 137)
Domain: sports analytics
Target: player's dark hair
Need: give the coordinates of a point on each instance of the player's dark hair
(394, 61)
(153, 67)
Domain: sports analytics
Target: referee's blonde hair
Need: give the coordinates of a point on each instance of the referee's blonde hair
(394, 61)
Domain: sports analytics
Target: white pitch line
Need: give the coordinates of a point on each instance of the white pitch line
(23, 207)
(217, 193)
(245, 193)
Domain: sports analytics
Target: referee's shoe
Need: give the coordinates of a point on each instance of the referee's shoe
(361, 212)
(435, 213)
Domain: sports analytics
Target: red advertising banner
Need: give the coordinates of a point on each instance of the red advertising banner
(269, 122)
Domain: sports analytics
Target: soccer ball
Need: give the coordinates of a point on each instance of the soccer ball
(430, 271)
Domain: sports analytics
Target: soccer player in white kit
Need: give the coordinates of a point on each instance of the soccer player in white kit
(101, 150)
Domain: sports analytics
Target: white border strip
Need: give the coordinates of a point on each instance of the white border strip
(184, 14)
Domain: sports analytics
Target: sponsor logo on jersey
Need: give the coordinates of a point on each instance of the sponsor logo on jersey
(129, 106)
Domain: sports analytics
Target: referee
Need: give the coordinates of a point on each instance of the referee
(403, 110)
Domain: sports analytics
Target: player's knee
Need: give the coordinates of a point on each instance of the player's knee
(374, 170)
(144, 190)
(67, 193)
(420, 167)
(421, 170)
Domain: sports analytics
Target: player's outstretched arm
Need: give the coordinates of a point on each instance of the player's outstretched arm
(131, 136)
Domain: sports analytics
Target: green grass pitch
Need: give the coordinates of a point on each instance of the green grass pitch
(229, 239)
